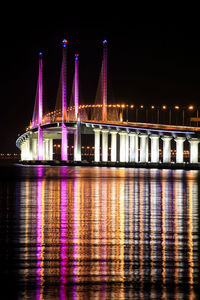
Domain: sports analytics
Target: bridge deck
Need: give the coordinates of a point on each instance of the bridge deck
(150, 126)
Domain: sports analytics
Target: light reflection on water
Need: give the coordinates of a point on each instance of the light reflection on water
(107, 233)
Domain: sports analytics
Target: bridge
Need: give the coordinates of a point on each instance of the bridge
(65, 133)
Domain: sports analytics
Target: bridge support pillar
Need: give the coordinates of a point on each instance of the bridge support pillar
(166, 148)
(194, 143)
(123, 144)
(77, 143)
(51, 149)
(179, 149)
(133, 153)
(96, 144)
(26, 150)
(45, 149)
(48, 149)
(105, 145)
(34, 149)
(30, 142)
(40, 144)
(23, 151)
(144, 151)
(127, 147)
(154, 148)
(113, 145)
(64, 143)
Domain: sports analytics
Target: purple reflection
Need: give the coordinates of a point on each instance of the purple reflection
(75, 230)
(63, 235)
(40, 171)
(40, 236)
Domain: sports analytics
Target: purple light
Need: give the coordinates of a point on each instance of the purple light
(63, 231)
(64, 144)
(40, 90)
(64, 84)
(76, 92)
(40, 143)
(76, 190)
(40, 236)
(105, 42)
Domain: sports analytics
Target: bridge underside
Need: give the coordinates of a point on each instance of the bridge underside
(113, 143)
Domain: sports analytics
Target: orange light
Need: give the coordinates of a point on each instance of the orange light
(122, 105)
(132, 106)
(152, 106)
(176, 107)
(191, 107)
(164, 107)
(141, 106)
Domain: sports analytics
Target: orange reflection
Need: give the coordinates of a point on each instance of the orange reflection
(112, 225)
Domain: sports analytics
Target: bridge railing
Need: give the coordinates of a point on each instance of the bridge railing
(168, 115)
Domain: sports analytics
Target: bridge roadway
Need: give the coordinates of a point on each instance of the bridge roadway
(131, 142)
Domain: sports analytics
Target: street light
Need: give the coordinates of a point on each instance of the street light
(176, 108)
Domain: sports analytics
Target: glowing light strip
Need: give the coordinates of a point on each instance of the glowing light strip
(40, 143)
(64, 83)
(40, 90)
(76, 92)
(64, 143)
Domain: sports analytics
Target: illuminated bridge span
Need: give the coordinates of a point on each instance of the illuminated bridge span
(65, 133)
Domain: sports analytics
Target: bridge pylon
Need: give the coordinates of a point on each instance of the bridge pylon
(40, 108)
(77, 132)
(64, 141)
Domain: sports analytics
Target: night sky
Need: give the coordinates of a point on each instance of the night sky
(148, 63)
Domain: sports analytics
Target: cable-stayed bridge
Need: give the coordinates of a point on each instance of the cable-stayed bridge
(116, 134)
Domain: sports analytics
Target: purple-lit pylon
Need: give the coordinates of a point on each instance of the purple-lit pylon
(77, 132)
(64, 81)
(64, 143)
(40, 108)
(40, 90)
(76, 87)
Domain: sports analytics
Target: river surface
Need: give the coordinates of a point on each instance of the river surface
(99, 233)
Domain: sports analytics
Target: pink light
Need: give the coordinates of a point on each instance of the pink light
(64, 84)
(40, 90)
(40, 235)
(64, 143)
(76, 92)
(63, 231)
(75, 229)
(40, 143)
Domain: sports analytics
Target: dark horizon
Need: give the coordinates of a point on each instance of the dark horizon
(147, 64)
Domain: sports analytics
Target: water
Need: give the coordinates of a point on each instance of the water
(99, 233)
